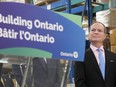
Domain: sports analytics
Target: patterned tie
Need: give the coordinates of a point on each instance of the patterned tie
(102, 62)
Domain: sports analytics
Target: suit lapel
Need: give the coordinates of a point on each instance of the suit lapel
(43, 64)
(107, 67)
(95, 64)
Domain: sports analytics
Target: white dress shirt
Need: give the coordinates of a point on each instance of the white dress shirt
(94, 49)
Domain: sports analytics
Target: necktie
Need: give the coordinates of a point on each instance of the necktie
(102, 62)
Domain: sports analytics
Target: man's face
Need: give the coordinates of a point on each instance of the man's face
(97, 33)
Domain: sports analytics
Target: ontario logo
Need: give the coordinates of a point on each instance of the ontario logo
(74, 54)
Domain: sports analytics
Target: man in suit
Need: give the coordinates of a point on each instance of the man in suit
(88, 73)
(47, 72)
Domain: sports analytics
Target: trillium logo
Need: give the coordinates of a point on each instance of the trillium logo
(74, 54)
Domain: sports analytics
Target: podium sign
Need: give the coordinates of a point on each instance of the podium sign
(28, 30)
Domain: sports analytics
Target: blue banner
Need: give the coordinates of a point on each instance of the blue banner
(28, 30)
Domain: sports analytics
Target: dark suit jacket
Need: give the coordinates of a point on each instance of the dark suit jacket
(87, 73)
(47, 75)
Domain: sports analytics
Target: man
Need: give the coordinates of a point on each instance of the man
(46, 73)
(88, 73)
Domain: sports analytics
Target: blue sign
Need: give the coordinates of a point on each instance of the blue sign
(28, 30)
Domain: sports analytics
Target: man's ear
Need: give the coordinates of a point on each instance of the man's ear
(105, 35)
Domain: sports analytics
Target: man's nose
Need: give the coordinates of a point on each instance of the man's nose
(96, 31)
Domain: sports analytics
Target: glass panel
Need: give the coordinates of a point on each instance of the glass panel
(36, 72)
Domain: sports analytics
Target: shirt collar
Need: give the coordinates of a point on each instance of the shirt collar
(95, 48)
